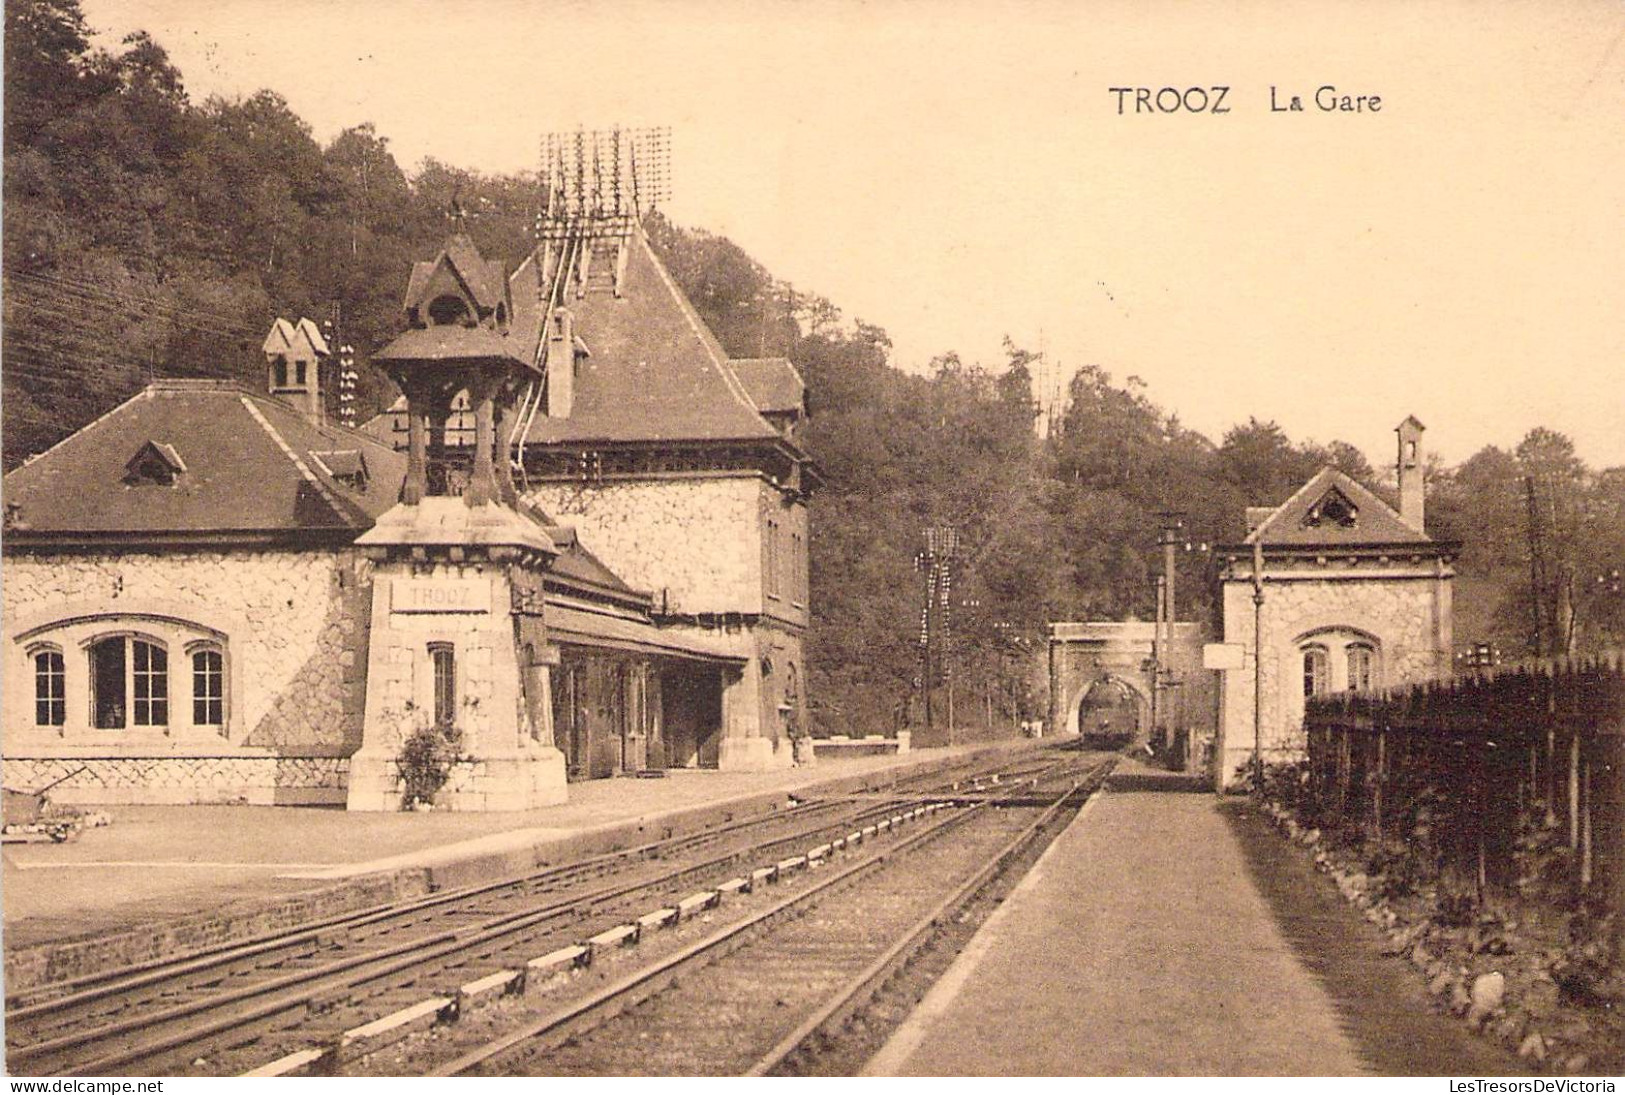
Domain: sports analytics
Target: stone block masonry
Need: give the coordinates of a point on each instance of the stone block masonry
(695, 544)
(1404, 614)
(291, 628)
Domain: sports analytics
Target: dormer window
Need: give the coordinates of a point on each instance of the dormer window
(154, 464)
(347, 467)
(1334, 508)
(448, 311)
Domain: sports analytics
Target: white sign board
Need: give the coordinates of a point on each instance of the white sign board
(413, 595)
(1223, 655)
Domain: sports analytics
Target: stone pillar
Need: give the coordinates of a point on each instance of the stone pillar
(482, 486)
(416, 485)
(423, 599)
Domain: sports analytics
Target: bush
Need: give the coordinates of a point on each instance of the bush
(425, 762)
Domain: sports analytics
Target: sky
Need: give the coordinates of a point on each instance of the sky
(957, 172)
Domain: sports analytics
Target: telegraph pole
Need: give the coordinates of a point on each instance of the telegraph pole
(1537, 612)
(936, 562)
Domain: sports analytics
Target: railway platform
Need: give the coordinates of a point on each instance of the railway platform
(1140, 945)
(169, 879)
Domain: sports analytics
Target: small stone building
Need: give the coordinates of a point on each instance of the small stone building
(1333, 589)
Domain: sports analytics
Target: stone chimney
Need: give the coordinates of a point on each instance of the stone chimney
(561, 363)
(1411, 458)
(293, 357)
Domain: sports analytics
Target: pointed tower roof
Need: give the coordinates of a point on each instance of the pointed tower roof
(655, 371)
(280, 339)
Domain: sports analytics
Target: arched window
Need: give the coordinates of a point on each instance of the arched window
(208, 686)
(129, 680)
(1316, 666)
(50, 687)
(1362, 664)
(444, 658)
(150, 676)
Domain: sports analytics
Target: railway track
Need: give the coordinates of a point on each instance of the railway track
(232, 1008)
(771, 991)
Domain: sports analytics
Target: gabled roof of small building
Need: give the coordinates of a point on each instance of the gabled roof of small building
(773, 383)
(656, 373)
(1319, 514)
(247, 465)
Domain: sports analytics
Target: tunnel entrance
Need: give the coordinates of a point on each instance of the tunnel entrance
(1111, 714)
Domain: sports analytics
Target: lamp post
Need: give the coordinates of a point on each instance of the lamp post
(1258, 667)
(1169, 536)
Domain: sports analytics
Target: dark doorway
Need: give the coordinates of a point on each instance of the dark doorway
(691, 715)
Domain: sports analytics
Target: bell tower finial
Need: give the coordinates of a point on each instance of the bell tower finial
(455, 212)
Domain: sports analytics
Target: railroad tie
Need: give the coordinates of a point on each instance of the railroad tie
(623, 935)
(500, 983)
(554, 967)
(293, 1064)
(657, 919)
(371, 1037)
(734, 886)
(694, 902)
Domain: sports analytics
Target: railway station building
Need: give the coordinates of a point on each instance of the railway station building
(581, 537)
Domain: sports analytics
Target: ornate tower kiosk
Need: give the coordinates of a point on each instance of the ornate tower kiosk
(457, 627)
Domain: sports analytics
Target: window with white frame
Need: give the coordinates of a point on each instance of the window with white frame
(1316, 671)
(208, 685)
(129, 682)
(1362, 666)
(50, 686)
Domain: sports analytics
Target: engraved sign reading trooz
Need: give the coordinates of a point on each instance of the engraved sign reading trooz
(440, 595)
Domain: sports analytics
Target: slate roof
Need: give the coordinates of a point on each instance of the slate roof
(773, 383)
(1375, 523)
(249, 468)
(655, 372)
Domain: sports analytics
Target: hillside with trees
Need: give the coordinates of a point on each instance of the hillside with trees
(147, 234)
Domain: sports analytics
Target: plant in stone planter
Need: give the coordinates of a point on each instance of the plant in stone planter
(426, 760)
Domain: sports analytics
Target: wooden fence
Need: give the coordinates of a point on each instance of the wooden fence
(1479, 766)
